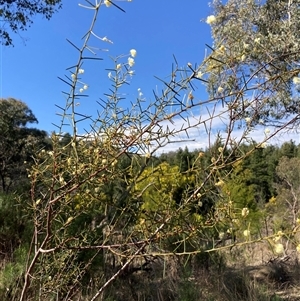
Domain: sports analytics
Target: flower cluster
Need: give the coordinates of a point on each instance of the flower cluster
(131, 61)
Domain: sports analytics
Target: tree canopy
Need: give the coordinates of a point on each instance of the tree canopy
(17, 142)
(17, 15)
(256, 51)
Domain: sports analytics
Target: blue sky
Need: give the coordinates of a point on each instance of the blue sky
(156, 29)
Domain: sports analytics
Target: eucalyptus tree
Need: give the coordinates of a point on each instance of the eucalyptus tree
(18, 143)
(17, 15)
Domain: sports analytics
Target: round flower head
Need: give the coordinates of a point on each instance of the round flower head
(245, 212)
(130, 61)
(199, 74)
(133, 52)
(107, 3)
(296, 80)
(263, 145)
(279, 249)
(220, 90)
(211, 19)
(246, 233)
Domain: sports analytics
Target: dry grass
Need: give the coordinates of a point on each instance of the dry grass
(234, 275)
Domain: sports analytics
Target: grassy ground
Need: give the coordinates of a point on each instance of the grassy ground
(248, 274)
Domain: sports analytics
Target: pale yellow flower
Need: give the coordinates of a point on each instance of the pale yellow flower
(246, 233)
(211, 19)
(248, 119)
(296, 80)
(280, 233)
(279, 249)
(222, 48)
(221, 235)
(199, 74)
(245, 212)
(69, 220)
(107, 3)
(220, 183)
(85, 87)
(119, 66)
(133, 52)
(130, 61)
(81, 71)
(220, 90)
(246, 46)
(263, 145)
(267, 131)
(278, 236)
(257, 40)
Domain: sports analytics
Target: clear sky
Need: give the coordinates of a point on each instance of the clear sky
(156, 29)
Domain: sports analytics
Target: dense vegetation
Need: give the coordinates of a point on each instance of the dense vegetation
(261, 190)
(107, 215)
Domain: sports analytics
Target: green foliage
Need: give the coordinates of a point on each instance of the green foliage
(288, 193)
(158, 187)
(12, 273)
(103, 208)
(14, 227)
(18, 143)
(18, 15)
(257, 39)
